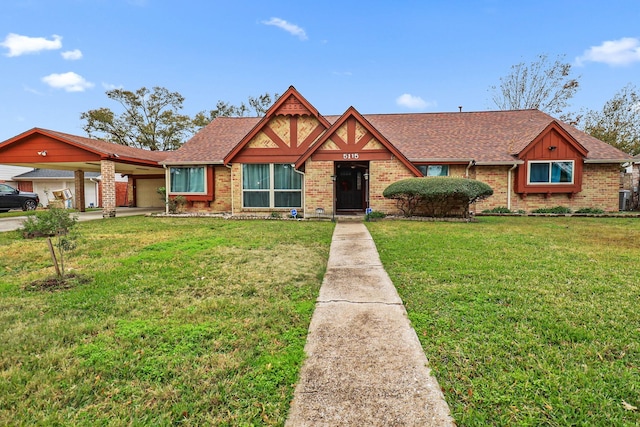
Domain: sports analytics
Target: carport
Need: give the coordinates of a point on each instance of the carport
(42, 148)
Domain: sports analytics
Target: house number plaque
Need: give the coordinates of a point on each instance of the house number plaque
(350, 156)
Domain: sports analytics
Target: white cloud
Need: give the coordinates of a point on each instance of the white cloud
(70, 82)
(72, 55)
(111, 86)
(413, 102)
(20, 45)
(616, 52)
(292, 29)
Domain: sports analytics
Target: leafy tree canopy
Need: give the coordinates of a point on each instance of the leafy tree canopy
(618, 123)
(151, 119)
(543, 85)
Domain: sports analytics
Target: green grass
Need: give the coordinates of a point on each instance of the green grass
(525, 321)
(189, 321)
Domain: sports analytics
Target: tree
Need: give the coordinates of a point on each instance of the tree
(258, 106)
(150, 120)
(618, 123)
(542, 85)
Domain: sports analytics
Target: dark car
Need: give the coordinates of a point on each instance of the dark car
(10, 198)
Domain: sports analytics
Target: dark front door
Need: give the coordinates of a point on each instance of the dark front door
(351, 186)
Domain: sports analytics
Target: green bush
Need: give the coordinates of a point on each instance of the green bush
(554, 210)
(589, 211)
(437, 196)
(499, 210)
(176, 203)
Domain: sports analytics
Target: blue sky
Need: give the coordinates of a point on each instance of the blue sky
(58, 57)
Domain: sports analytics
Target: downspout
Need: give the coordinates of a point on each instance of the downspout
(509, 185)
(469, 166)
(231, 182)
(166, 189)
(304, 192)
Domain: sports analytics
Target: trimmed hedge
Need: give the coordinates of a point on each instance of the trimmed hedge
(437, 196)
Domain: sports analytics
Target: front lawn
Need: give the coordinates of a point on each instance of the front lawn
(525, 321)
(189, 321)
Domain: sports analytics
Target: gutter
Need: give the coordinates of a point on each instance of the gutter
(605, 161)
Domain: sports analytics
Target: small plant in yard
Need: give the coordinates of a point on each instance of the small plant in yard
(176, 204)
(55, 224)
(375, 215)
(275, 215)
(498, 210)
(555, 210)
(596, 211)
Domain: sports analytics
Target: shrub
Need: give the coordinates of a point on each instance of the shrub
(589, 211)
(176, 204)
(437, 196)
(554, 210)
(499, 210)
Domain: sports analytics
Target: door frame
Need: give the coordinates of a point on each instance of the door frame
(361, 181)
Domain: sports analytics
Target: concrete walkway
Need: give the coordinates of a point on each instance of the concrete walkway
(365, 365)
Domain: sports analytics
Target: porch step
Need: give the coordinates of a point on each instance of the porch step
(349, 218)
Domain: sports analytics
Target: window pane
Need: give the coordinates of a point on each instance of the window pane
(255, 177)
(187, 180)
(561, 172)
(539, 172)
(286, 178)
(255, 199)
(288, 199)
(438, 170)
(423, 169)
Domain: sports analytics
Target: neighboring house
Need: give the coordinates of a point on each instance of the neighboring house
(48, 149)
(8, 172)
(46, 181)
(296, 158)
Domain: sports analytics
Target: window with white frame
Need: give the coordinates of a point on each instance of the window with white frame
(434, 170)
(551, 172)
(188, 180)
(271, 186)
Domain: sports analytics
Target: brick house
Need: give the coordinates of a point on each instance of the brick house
(296, 158)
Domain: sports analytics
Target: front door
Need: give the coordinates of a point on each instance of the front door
(351, 186)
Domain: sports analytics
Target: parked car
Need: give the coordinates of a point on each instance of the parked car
(10, 198)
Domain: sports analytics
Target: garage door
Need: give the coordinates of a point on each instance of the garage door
(147, 193)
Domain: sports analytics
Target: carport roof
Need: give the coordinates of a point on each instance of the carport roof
(25, 150)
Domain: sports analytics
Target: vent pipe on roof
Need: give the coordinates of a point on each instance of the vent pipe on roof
(460, 108)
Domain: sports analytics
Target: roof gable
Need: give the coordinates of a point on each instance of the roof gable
(563, 137)
(291, 104)
(352, 133)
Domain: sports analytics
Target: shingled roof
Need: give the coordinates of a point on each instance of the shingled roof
(489, 137)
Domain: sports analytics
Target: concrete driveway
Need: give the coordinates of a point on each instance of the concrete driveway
(13, 223)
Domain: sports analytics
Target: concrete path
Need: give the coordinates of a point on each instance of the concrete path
(365, 365)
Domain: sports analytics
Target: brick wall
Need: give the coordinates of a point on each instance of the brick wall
(108, 172)
(382, 173)
(600, 184)
(222, 194)
(318, 186)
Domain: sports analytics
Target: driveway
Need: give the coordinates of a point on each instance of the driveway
(13, 223)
